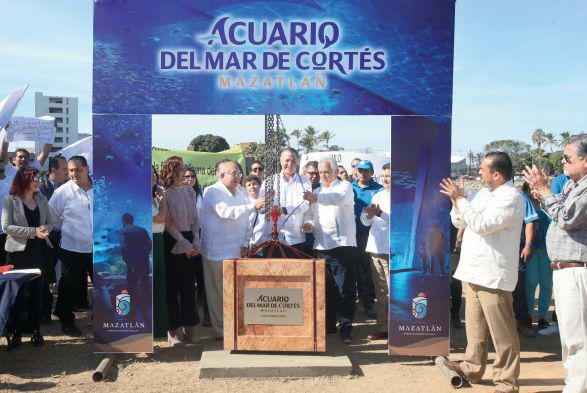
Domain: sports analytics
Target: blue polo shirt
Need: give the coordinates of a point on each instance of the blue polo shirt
(558, 183)
(363, 196)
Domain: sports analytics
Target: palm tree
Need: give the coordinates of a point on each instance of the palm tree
(550, 140)
(325, 137)
(538, 138)
(309, 139)
(296, 134)
(470, 156)
(565, 139)
(479, 157)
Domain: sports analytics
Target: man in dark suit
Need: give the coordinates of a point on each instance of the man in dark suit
(56, 176)
(49, 182)
(135, 247)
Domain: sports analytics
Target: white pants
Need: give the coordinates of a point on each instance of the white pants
(570, 294)
(213, 280)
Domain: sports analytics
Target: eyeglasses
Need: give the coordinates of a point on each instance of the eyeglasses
(257, 169)
(312, 173)
(235, 174)
(568, 159)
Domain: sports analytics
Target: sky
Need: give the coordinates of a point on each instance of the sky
(518, 66)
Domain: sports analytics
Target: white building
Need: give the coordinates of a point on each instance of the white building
(64, 109)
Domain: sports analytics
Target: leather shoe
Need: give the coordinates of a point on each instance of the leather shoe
(71, 330)
(37, 339)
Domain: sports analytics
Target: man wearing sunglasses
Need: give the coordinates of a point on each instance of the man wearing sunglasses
(258, 169)
(566, 244)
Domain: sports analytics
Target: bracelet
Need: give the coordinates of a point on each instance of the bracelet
(459, 239)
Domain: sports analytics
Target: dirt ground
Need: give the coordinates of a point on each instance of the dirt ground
(65, 365)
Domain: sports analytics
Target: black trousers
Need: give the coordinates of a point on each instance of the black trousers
(456, 294)
(200, 285)
(340, 286)
(180, 281)
(365, 286)
(519, 297)
(2, 250)
(74, 267)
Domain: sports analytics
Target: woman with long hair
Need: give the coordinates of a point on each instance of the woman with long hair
(27, 224)
(191, 179)
(181, 233)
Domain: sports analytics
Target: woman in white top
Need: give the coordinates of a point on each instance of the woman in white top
(182, 235)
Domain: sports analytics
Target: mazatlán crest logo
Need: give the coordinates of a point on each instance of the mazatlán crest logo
(420, 306)
(123, 303)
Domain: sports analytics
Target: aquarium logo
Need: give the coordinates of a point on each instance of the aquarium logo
(260, 54)
(123, 303)
(420, 306)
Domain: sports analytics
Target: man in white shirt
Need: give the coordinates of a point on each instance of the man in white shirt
(488, 268)
(376, 216)
(331, 218)
(291, 199)
(225, 233)
(71, 212)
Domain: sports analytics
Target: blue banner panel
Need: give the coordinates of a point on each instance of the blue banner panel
(122, 233)
(257, 57)
(419, 266)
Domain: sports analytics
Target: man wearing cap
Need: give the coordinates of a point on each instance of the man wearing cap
(364, 188)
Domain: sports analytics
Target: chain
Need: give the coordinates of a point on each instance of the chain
(272, 162)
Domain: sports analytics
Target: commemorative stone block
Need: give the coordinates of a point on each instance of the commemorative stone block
(274, 305)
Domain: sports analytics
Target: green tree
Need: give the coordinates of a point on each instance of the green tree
(326, 136)
(471, 157)
(296, 134)
(550, 140)
(256, 151)
(209, 143)
(565, 138)
(335, 148)
(519, 152)
(538, 138)
(556, 165)
(309, 139)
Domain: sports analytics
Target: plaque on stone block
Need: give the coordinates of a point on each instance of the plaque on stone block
(274, 305)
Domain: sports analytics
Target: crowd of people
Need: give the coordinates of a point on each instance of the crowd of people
(511, 241)
(323, 213)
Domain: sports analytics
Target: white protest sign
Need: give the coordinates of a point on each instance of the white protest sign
(345, 158)
(38, 129)
(83, 147)
(9, 104)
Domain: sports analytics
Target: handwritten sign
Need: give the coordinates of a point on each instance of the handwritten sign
(38, 129)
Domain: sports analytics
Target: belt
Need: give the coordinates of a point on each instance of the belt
(564, 265)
